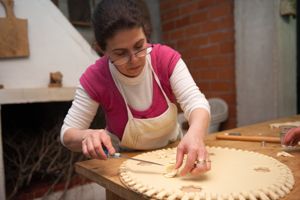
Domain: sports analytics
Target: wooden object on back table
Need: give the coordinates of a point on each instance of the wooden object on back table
(106, 173)
(55, 79)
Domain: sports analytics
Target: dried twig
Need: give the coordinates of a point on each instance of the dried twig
(37, 156)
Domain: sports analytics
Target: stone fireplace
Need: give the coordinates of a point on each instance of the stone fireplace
(54, 45)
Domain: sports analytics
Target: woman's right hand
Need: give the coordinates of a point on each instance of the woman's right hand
(292, 137)
(93, 143)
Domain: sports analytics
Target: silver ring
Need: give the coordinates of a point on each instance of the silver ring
(201, 161)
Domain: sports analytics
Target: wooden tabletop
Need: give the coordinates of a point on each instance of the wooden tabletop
(105, 172)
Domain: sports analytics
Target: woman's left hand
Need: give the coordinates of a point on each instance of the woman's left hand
(197, 160)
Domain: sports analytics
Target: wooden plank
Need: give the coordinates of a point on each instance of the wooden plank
(112, 196)
(13, 34)
(92, 169)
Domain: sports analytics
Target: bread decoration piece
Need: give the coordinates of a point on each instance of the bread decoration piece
(170, 171)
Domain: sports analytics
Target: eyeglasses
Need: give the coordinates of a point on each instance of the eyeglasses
(121, 60)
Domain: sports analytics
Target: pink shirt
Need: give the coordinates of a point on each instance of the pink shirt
(99, 84)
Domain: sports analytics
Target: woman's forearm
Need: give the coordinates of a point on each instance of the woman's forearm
(91, 142)
(73, 137)
(78, 120)
(199, 122)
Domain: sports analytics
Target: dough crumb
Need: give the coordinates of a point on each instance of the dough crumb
(284, 154)
(170, 171)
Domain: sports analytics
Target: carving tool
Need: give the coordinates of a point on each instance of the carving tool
(119, 155)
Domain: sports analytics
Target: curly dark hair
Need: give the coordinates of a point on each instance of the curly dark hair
(111, 16)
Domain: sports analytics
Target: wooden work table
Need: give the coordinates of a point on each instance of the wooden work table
(105, 172)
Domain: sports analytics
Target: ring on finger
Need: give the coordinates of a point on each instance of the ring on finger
(201, 161)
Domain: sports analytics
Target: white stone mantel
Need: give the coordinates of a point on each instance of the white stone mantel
(32, 95)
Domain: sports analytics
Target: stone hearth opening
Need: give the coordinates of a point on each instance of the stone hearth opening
(35, 162)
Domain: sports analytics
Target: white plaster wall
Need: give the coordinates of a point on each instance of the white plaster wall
(265, 62)
(55, 45)
(287, 48)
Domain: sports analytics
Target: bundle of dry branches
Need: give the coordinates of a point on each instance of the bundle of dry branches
(37, 156)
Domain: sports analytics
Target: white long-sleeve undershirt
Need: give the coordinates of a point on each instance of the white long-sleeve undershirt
(188, 95)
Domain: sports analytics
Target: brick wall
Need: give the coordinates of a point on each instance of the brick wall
(203, 32)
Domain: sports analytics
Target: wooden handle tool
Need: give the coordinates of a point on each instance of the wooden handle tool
(248, 138)
(13, 33)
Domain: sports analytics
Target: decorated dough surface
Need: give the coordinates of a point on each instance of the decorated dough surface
(235, 174)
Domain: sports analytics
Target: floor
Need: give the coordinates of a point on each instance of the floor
(91, 191)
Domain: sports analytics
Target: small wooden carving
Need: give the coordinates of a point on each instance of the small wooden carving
(55, 79)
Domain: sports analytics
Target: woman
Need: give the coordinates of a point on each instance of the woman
(137, 85)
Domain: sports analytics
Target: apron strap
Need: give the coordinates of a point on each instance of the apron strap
(158, 82)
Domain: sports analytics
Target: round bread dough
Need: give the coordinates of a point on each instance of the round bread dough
(235, 174)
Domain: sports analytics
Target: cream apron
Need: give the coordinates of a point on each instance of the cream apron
(150, 133)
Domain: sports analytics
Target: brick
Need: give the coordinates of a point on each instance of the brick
(200, 16)
(200, 41)
(182, 22)
(199, 62)
(221, 10)
(230, 98)
(166, 36)
(193, 29)
(184, 43)
(226, 2)
(204, 4)
(179, 2)
(177, 33)
(203, 85)
(226, 23)
(224, 60)
(188, 8)
(190, 53)
(228, 124)
(166, 4)
(227, 47)
(219, 36)
(221, 86)
(227, 73)
(210, 50)
(170, 15)
(168, 26)
(209, 26)
(232, 109)
(206, 74)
